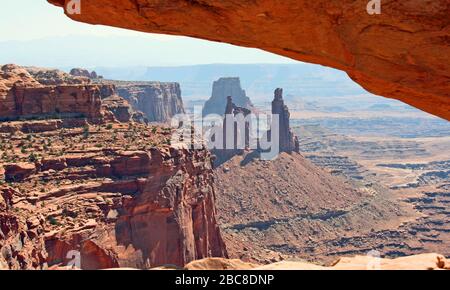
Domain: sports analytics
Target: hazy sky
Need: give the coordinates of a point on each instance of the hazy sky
(29, 27)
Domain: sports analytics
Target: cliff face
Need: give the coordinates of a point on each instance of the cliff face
(401, 53)
(288, 141)
(114, 208)
(24, 97)
(113, 194)
(158, 101)
(39, 93)
(21, 240)
(223, 88)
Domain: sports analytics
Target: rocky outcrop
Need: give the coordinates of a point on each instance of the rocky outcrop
(241, 141)
(122, 110)
(165, 215)
(223, 88)
(21, 239)
(400, 53)
(41, 93)
(80, 72)
(18, 171)
(21, 96)
(288, 141)
(54, 77)
(137, 202)
(158, 101)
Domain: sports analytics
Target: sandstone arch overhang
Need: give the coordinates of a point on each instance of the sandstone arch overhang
(402, 53)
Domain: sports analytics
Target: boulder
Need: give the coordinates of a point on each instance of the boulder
(19, 171)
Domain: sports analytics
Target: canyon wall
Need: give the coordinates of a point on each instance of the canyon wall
(401, 53)
(108, 194)
(114, 208)
(24, 97)
(158, 101)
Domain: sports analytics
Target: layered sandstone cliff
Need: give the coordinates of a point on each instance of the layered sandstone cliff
(110, 196)
(401, 53)
(158, 101)
(22, 96)
(94, 195)
(288, 141)
(42, 93)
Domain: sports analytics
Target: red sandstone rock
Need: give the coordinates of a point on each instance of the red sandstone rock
(79, 72)
(54, 77)
(19, 171)
(21, 96)
(288, 141)
(159, 102)
(117, 208)
(21, 244)
(401, 53)
(54, 163)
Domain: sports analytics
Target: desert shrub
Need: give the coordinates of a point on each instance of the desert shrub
(52, 221)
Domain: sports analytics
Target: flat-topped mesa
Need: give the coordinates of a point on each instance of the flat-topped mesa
(23, 97)
(223, 88)
(288, 141)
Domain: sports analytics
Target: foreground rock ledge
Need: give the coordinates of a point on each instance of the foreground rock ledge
(403, 53)
(417, 262)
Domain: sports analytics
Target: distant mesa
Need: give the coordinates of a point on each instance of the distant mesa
(223, 88)
(158, 101)
(79, 72)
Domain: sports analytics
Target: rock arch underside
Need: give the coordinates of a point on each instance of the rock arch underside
(402, 53)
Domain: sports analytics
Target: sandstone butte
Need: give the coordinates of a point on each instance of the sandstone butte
(402, 53)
